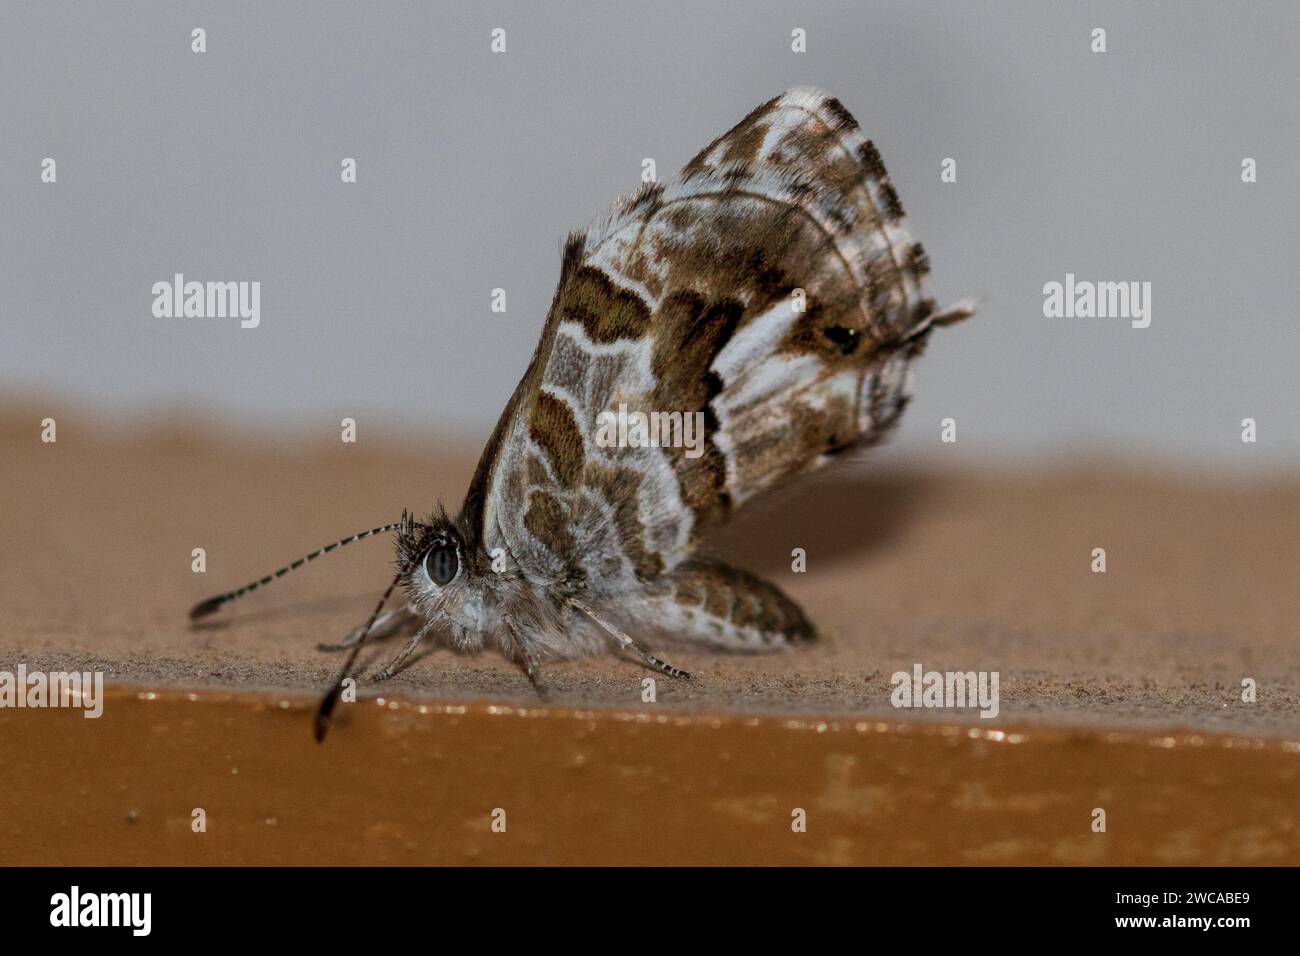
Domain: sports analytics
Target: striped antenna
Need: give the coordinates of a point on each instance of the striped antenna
(327, 703)
(204, 608)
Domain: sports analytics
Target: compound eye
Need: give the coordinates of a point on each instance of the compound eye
(441, 564)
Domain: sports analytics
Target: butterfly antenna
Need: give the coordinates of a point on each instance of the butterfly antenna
(329, 701)
(204, 608)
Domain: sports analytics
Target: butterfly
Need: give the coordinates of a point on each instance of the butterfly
(770, 292)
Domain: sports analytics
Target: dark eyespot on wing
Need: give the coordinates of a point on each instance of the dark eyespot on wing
(843, 336)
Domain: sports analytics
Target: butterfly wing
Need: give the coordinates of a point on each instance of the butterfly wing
(770, 289)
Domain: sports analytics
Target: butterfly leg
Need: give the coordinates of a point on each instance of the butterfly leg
(529, 662)
(533, 667)
(628, 644)
(396, 664)
(387, 624)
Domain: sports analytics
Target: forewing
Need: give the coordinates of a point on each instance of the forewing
(770, 288)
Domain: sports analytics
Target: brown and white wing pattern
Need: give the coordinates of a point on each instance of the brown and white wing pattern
(769, 287)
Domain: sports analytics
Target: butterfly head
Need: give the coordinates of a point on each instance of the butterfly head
(437, 573)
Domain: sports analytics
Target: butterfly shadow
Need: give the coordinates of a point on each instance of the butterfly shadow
(834, 518)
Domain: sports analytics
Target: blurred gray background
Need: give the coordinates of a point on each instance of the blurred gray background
(473, 166)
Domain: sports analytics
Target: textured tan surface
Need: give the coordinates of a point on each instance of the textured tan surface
(954, 568)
